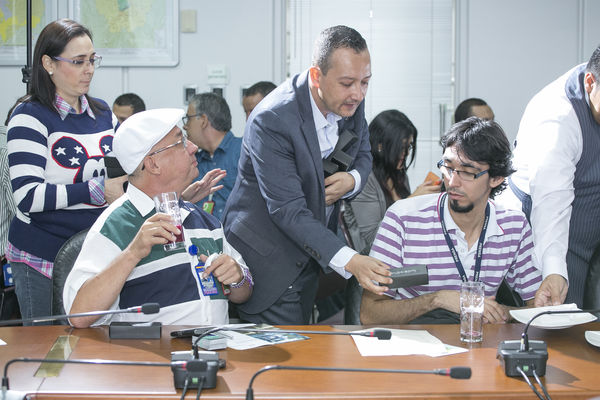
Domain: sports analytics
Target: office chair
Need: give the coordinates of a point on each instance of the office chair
(63, 263)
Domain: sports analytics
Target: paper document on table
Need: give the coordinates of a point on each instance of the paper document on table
(2, 342)
(404, 342)
(250, 340)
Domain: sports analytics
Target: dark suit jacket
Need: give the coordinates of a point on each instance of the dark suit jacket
(275, 215)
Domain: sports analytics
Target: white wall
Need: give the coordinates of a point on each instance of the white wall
(508, 50)
(244, 35)
(410, 42)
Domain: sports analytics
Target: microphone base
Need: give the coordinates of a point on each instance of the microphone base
(534, 359)
(134, 330)
(208, 378)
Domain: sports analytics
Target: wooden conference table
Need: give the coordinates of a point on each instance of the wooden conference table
(572, 372)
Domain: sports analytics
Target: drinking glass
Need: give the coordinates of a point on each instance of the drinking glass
(168, 203)
(471, 312)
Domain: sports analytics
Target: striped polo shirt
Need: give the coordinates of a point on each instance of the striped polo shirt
(411, 234)
(167, 278)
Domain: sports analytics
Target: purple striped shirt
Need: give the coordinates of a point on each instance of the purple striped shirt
(411, 234)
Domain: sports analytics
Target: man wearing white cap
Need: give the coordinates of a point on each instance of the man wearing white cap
(122, 262)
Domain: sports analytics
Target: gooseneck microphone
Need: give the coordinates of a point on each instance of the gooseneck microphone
(193, 366)
(147, 308)
(525, 357)
(454, 372)
(525, 339)
(380, 334)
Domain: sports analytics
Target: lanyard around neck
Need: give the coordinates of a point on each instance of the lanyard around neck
(453, 251)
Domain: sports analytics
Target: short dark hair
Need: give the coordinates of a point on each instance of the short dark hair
(133, 100)
(593, 64)
(215, 108)
(334, 38)
(485, 142)
(392, 131)
(262, 87)
(52, 41)
(463, 111)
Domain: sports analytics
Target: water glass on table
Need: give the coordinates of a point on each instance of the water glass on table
(471, 312)
(167, 203)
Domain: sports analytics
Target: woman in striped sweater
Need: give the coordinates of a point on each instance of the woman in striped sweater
(57, 138)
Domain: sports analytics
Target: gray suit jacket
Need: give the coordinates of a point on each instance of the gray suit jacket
(275, 215)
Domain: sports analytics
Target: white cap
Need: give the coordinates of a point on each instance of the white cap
(140, 132)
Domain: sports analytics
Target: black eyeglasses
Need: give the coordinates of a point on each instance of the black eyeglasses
(94, 61)
(186, 118)
(463, 175)
(183, 140)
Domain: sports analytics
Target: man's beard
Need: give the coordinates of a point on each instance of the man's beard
(460, 209)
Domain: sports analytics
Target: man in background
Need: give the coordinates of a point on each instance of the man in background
(473, 107)
(208, 125)
(126, 105)
(254, 94)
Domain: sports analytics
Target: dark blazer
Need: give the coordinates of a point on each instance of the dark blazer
(275, 215)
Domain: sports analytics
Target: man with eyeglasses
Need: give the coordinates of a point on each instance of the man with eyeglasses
(122, 262)
(444, 232)
(208, 125)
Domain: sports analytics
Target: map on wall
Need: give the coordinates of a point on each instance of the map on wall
(131, 32)
(13, 27)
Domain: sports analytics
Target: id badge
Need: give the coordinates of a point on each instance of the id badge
(208, 284)
(208, 206)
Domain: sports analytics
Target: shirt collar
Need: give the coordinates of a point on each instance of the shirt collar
(223, 146)
(144, 204)
(65, 108)
(225, 142)
(493, 228)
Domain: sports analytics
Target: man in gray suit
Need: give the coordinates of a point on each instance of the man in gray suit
(282, 212)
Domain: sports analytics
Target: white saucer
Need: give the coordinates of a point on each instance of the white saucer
(556, 321)
(593, 337)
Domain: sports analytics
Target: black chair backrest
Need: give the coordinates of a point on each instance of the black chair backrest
(63, 263)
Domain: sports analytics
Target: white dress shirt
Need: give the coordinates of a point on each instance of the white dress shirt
(548, 146)
(327, 133)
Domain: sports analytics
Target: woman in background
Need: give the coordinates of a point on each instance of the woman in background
(393, 140)
(57, 138)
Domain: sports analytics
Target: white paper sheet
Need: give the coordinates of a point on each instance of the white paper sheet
(405, 342)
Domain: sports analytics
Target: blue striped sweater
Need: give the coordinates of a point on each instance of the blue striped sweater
(51, 161)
